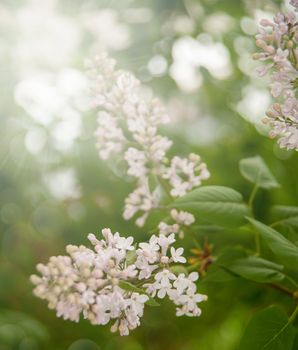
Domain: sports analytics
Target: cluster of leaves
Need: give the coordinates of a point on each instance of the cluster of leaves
(276, 267)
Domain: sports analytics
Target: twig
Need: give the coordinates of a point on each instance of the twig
(282, 289)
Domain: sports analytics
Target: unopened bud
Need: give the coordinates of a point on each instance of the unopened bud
(35, 279)
(164, 260)
(265, 23)
(290, 44)
(86, 272)
(115, 281)
(270, 49)
(260, 43)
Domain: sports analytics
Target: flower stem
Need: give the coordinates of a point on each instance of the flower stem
(282, 289)
(250, 206)
(252, 197)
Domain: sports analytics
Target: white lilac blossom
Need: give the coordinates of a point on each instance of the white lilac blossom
(128, 123)
(181, 220)
(141, 200)
(93, 282)
(185, 173)
(278, 40)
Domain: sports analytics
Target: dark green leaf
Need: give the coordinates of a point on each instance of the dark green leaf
(220, 205)
(268, 330)
(281, 247)
(257, 269)
(217, 272)
(255, 170)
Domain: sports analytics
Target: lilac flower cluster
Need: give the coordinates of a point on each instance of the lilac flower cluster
(115, 280)
(277, 41)
(128, 123)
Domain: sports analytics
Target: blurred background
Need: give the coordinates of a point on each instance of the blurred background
(54, 190)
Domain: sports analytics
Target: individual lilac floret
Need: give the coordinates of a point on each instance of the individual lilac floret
(114, 280)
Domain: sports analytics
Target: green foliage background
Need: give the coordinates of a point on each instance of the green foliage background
(35, 225)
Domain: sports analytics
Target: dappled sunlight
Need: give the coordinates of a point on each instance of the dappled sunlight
(170, 130)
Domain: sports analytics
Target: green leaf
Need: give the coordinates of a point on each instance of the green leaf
(284, 211)
(131, 288)
(286, 215)
(255, 170)
(152, 302)
(217, 272)
(177, 269)
(131, 256)
(268, 330)
(281, 247)
(257, 270)
(293, 221)
(217, 204)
